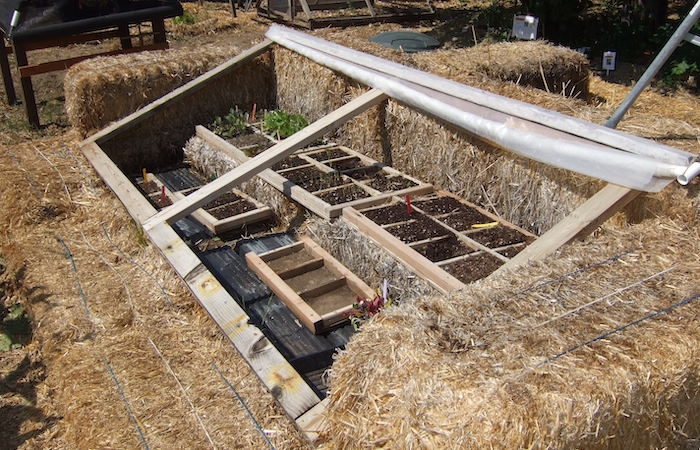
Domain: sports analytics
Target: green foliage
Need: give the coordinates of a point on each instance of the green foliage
(230, 125)
(15, 327)
(282, 123)
(185, 19)
(679, 73)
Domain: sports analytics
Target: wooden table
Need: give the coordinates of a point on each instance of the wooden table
(59, 34)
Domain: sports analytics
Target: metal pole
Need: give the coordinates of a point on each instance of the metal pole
(665, 53)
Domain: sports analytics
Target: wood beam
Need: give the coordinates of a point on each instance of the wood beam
(267, 159)
(581, 222)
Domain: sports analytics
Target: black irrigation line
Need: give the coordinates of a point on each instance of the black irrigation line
(240, 399)
(67, 253)
(575, 272)
(685, 301)
(139, 266)
(129, 411)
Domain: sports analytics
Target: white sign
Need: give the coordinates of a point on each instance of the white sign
(525, 27)
(609, 60)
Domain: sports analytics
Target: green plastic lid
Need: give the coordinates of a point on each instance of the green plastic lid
(408, 41)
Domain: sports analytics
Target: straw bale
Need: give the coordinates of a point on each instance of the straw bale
(98, 295)
(484, 381)
(101, 90)
(209, 18)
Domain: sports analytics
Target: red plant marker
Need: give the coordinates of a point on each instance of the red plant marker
(409, 208)
(255, 108)
(162, 195)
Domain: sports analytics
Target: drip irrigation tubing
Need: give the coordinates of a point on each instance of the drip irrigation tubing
(83, 296)
(619, 329)
(240, 399)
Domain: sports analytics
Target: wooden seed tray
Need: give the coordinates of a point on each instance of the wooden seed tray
(314, 285)
(333, 172)
(441, 237)
(259, 213)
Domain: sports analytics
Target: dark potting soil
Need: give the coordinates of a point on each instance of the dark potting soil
(228, 197)
(158, 201)
(511, 251)
(464, 219)
(385, 184)
(325, 181)
(421, 228)
(149, 187)
(307, 173)
(345, 164)
(331, 153)
(363, 173)
(287, 163)
(498, 236)
(473, 268)
(245, 140)
(390, 214)
(231, 209)
(343, 195)
(440, 205)
(443, 249)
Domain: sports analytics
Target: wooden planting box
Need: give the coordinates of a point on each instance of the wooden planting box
(313, 284)
(446, 240)
(231, 210)
(328, 178)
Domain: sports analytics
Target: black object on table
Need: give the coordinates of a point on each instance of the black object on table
(37, 24)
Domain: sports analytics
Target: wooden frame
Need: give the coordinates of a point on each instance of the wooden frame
(219, 226)
(308, 199)
(428, 270)
(296, 300)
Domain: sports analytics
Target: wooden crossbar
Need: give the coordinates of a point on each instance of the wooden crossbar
(267, 158)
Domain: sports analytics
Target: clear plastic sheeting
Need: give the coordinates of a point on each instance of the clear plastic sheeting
(519, 127)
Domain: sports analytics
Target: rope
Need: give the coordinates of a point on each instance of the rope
(575, 272)
(129, 411)
(128, 258)
(617, 330)
(240, 399)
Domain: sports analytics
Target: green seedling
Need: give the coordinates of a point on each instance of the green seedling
(281, 123)
(185, 19)
(230, 125)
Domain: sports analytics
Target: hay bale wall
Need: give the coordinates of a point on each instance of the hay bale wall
(101, 90)
(488, 381)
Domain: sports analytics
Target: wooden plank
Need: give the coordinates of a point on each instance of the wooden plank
(138, 207)
(239, 220)
(313, 422)
(185, 90)
(52, 66)
(306, 266)
(268, 158)
(580, 222)
(281, 251)
(324, 288)
(440, 279)
(279, 377)
(354, 282)
(310, 318)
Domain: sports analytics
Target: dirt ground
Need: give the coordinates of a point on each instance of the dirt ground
(120, 353)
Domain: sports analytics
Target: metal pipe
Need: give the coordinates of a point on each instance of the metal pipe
(665, 53)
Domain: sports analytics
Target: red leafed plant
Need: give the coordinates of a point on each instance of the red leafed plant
(365, 308)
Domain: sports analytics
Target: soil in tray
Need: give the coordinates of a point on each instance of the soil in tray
(345, 164)
(390, 214)
(443, 249)
(385, 184)
(228, 197)
(288, 163)
(288, 261)
(332, 301)
(512, 251)
(421, 228)
(473, 268)
(463, 219)
(440, 205)
(498, 236)
(149, 187)
(231, 209)
(343, 195)
(331, 153)
(307, 173)
(245, 140)
(326, 181)
(364, 173)
(158, 201)
(311, 279)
